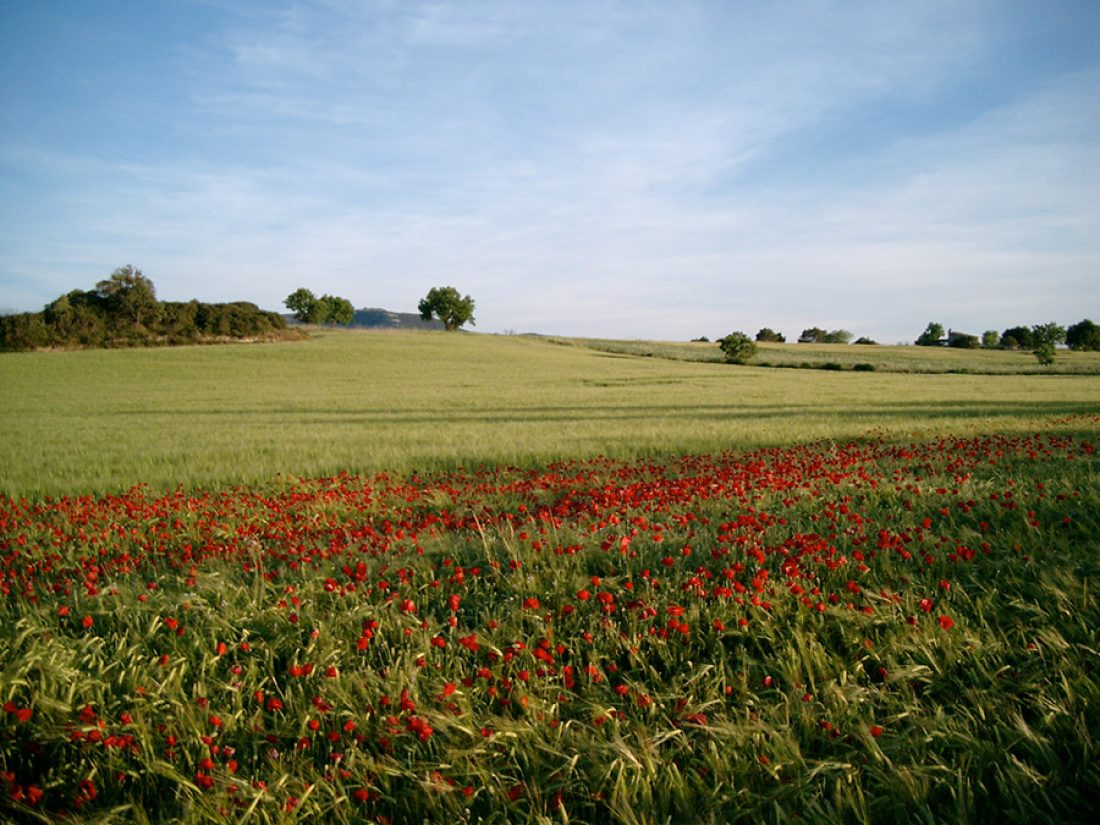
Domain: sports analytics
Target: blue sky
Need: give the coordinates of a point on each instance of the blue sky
(622, 169)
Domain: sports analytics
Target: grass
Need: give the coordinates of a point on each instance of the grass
(830, 633)
(791, 595)
(878, 358)
(100, 421)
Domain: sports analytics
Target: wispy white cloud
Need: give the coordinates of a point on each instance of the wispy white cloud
(614, 168)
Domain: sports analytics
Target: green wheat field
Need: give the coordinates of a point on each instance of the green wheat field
(358, 401)
(428, 577)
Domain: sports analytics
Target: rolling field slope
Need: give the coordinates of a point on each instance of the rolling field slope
(791, 595)
(362, 401)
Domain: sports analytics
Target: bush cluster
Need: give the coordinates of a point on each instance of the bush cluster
(124, 311)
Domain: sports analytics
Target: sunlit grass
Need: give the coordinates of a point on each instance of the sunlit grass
(832, 633)
(896, 358)
(357, 401)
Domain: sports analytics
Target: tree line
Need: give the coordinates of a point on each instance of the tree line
(1041, 339)
(444, 303)
(123, 310)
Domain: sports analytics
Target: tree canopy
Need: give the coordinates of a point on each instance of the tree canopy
(932, 335)
(446, 304)
(1017, 338)
(328, 309)
(1048, 333)
(737, 347)
(1084, 335)
(130, 296)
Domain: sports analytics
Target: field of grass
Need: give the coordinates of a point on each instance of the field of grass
(99, 421)
(837, 633)
(418, 577)
(903, 359)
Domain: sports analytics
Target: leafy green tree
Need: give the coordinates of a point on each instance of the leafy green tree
(813, 335)
(1043, 339)
(448, 306)
(337, 310)
(991, 339)
(1017, 338)
(1049, 333)
(737, 347)
(838, 336)
(770, 335)
(303, 303)
(130, 297)
(1084, 336)
(328, 309)
(932, 335)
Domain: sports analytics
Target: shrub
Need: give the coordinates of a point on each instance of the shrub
(1044, 353)
(960, 340)
(737, 347)
(838, 336)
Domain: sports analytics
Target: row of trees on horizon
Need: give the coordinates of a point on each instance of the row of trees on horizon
(123, 310)
(1041, 339)
(1082, 336)
(442, 303)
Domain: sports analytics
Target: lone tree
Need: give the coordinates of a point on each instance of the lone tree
(770, 335)
(932, 335)
(448, 306)
(1043, 339)
(737, 347)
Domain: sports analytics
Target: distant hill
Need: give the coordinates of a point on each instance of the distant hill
(374, 317)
